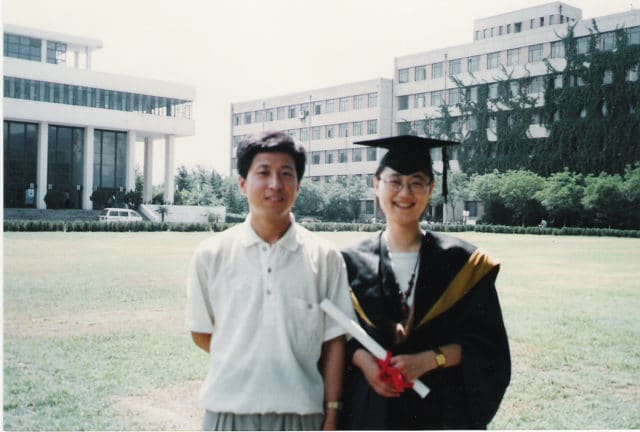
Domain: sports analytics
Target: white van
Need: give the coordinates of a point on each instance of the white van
(119, 215)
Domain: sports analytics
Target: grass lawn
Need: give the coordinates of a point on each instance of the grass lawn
(91, 319)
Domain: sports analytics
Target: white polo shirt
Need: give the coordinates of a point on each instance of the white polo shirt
(267, 326)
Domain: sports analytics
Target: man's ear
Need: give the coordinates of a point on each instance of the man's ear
(242, 183)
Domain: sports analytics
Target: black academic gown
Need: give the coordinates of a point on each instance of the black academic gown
(455, 302)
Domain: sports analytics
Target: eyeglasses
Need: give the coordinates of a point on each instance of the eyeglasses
(414, 186)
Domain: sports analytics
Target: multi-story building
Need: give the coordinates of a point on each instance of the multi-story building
(326, 122)
(70, 129)
(521, 48)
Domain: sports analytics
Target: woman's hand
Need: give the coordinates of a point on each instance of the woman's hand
(369, 366)
(413, 366)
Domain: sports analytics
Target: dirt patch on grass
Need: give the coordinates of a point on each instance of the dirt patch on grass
(169, 408)
(96, 322)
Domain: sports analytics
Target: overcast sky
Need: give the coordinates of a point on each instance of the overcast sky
(237, 50)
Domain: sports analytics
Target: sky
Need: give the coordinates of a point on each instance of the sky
(239, 50)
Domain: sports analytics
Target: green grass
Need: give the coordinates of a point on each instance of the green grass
(570, 306)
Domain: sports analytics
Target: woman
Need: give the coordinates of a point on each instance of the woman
(429, 299)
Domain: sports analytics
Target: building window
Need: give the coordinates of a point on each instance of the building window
(455, 67)
(557, 82)
(247, 118)
(344, 104)
(453, 96)
(537, 85)
(513, 57)
(259, 116)
(404, 128)
(632, 74)
(331, 105)
(317, 108)
(356, 155)
(493, 90)
(517, 27)
(280, 113)
(473, 64)
(477, 37)
(472, 94)
(557, 49)
(22, 47)
(493, 122)
(342, 156)
(20, 161)
(358, 127)
(343, 129)
(609, 41)
(237, 119)
(371, 154)
(403, 75)
(493, 60)
(421, 73)
(315, 158)
(372, 127)
(634, 35)
(109, 156)
(56, 52)
(372, 100)
(330, 131)
(403, 102)
(315, 133)
(292, 111)
(437, 70)
(607, 78)
(329, 157)
(508, 28)
(582, 45)
(420, 100)
(358, 102)
(535, 53)
(437, 98)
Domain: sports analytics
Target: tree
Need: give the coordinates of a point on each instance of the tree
(311, 200)
(518, 189)
(487, 188)
(561, 196)
(604, 197)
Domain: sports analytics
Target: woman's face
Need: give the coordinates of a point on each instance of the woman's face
(403, 198)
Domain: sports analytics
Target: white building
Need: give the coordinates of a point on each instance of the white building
(70, 129)
(511, 46)
(326, 122)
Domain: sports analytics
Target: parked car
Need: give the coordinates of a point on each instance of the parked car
(119, 215)
(308, 219)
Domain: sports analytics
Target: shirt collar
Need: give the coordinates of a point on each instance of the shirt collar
(290, 240)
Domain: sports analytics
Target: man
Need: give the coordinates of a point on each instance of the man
(253, 296)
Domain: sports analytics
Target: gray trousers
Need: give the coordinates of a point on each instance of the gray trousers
(255, 422)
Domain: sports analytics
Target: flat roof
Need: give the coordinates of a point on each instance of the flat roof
(71, 40)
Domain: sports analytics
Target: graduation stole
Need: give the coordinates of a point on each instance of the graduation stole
(477, 267)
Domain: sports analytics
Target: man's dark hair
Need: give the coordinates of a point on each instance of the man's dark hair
(269, 142)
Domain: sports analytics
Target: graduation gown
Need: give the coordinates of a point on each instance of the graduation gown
(455, 302)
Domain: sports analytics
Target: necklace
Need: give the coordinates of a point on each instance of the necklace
(405, 295)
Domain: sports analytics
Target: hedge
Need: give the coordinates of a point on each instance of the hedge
(95, 226)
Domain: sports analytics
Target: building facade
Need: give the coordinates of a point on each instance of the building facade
(73, 130)
(522, 48)
(326, 122)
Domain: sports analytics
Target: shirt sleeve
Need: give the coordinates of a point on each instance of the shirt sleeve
(199, 314)
(338, 294)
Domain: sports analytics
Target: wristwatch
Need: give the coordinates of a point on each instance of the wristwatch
(336, 405)
(441, 360)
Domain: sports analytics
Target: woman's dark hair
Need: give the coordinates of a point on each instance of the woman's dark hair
(269, 142)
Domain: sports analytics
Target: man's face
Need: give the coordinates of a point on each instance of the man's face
(271, 186)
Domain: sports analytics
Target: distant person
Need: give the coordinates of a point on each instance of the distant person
(542, 224)
(253, 296)
(429, 299)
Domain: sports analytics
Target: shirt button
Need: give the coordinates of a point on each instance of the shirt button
(268, 292)
(269, 270)
(264, 248)
(309, 306)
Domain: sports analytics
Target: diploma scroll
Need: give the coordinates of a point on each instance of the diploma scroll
(367, 341)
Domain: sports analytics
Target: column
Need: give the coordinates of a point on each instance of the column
(130, 179)
(42, 160)
(147, 188)
(76, 59)
(88, 58)
(87, 172)
(169, 159)
(43, 51)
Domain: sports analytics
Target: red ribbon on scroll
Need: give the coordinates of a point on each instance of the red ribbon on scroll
(392, 375)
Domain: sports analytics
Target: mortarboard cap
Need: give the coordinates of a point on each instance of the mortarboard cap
(409, 153)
